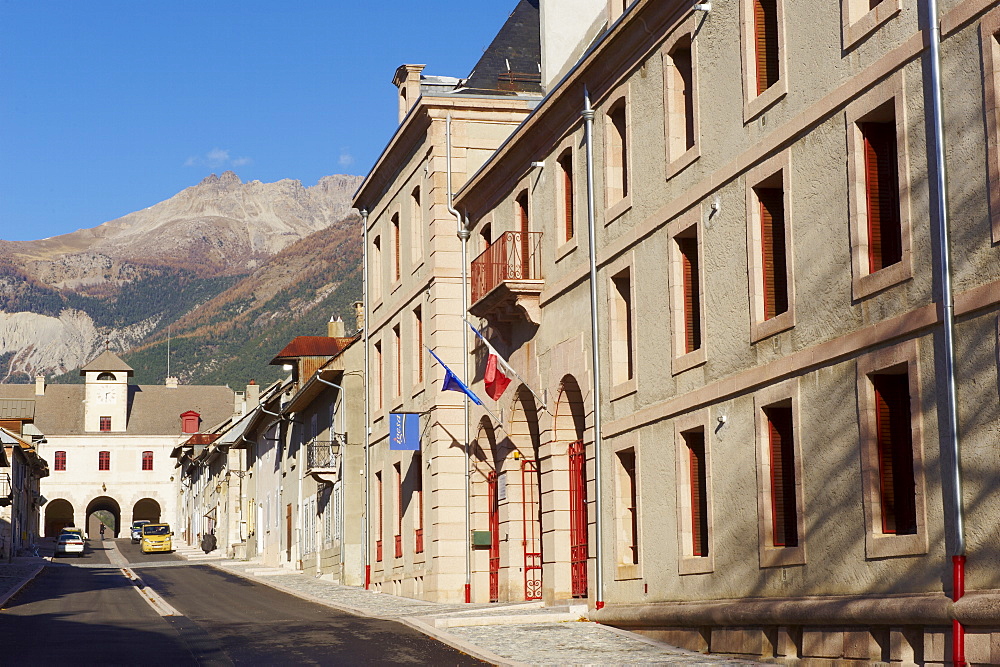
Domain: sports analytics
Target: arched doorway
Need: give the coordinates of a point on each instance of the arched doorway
(522, 493)
(147, 509)
(570, 425)
(58, 515)
(486, 558)
(109, 505)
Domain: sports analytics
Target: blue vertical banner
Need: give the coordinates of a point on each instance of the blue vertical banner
(404, 431)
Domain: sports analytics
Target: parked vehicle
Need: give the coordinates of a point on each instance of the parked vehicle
(136, 530)
(156, 537)
(69, 543)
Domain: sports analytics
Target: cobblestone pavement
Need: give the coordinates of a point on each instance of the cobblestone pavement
(493, 630)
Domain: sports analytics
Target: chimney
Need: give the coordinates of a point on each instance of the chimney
(253, 395)
(359, 314)
(335, 327)
(171, 383)
(407, 81)
(39, 385)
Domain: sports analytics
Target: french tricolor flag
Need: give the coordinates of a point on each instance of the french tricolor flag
(498, 372)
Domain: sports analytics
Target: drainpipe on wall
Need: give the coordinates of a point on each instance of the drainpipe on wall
(463, 235)
(949, 440)
(367, 432)
(588, 139)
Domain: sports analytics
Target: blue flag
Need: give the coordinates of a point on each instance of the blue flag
(404, 431)
(452, 383)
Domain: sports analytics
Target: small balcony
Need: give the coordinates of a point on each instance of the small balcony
(322, 459)
(507, 279)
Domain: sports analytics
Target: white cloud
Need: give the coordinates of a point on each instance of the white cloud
(345, 159)
(216, 159)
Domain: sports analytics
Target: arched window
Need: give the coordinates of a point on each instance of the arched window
(106, 376)
(147, 460)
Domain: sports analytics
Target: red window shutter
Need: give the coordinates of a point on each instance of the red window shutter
(765, 25)
(885, 244)
(775, 262)
(378, 485)
(784, 513)
(420, 344)
(104, 461)
(523, 225)
(699, 493)
(692, 294)
(60, 461)
(682, 63)
(897, 490)
(395, 243)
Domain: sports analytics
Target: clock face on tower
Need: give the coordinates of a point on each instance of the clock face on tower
(106, 396)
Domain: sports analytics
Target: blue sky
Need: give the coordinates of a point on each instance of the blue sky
(108, 106)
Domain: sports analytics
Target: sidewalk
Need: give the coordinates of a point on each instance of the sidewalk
(524, 633)
(16, 574)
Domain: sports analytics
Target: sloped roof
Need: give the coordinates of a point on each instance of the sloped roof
(511, 62)
(107, 361)
(17, 408)
(153, 409)
(311, 346)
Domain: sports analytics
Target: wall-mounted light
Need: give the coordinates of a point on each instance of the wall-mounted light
(703, 7)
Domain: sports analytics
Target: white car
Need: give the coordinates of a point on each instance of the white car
(68, 543)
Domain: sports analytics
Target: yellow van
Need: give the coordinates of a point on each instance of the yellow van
(156, 537)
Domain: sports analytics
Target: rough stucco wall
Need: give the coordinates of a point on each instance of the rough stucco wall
(821, 252)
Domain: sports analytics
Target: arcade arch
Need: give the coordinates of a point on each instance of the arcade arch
(147, 509)
(108, 504)
(573, 527)
(58, 515)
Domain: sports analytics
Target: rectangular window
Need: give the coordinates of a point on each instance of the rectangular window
(628, 517)
(397, 352)
(781, 448)
(379, 389)
(147, 460)
(687, 245)
(616, 154)
(523, 228)
(418, 340)
(989, 40)
(396, 269)
(774, 260)
(623, 368)
(566, 180)
(60, 461)
(680, 102)
(897, 489)
(104, 460)
(418, 486)
(398, 473)
(885, 243)
(376, 276)
(765, 30)
(879, 188)
(105, 424)
(381, 517)
(860, 18)
(695, 442)
(416, 227)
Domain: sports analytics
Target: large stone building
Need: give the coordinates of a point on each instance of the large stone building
(775, 456)
(108, 442)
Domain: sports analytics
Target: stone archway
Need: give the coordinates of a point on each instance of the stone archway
(107, 504)
(147, 509)
(570, 432)
(58, 515)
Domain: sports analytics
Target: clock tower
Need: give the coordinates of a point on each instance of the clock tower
(106, 399)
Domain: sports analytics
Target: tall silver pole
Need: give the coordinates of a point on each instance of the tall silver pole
(588, 137)
(949, 439)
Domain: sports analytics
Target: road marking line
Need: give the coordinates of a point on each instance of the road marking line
(159, 605)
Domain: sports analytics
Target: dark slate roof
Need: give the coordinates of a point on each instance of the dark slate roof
(518, 44)
(153, 409)
(108, 361)
(311, 346)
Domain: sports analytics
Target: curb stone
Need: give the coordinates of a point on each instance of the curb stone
(420, 626)
(5, 598)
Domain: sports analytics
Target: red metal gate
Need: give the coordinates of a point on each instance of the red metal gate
(531, 525)
(578, 517)
(494, 516)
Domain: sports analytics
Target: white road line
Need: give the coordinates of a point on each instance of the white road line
(159, 605)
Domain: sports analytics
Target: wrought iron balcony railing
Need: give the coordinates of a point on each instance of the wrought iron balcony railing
(513, 256)
(322, 453)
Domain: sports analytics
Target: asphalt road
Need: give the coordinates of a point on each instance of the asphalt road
(85, 610)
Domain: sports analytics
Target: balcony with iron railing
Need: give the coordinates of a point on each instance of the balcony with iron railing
(321, 458)
(507, 279)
